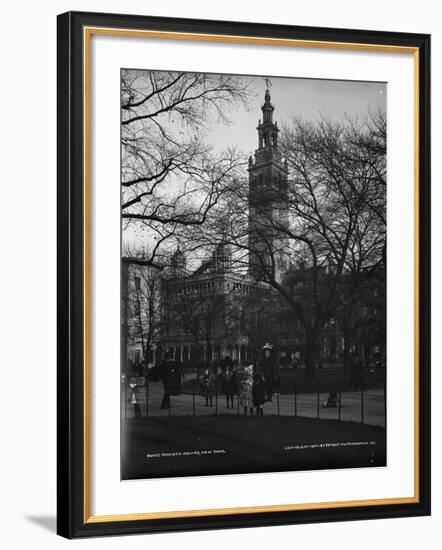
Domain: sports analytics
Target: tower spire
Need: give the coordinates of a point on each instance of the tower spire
(267, 129)
(267, 108)
(267, 198)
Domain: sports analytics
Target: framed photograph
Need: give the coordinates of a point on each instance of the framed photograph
(243, 274)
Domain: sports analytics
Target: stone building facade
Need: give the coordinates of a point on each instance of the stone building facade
(140, 312)
(202, 315)
(268, 208)
(202, 309)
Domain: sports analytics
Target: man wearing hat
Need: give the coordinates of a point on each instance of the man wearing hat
(270, 372)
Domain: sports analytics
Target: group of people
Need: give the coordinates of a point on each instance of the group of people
(255, 385)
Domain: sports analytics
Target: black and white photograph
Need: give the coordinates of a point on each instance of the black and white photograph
(253, 274)
(217, 282)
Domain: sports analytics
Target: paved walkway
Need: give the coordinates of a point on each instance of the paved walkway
(371, 411)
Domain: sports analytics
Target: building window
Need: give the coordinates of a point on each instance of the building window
(137, 308)
(137, 283)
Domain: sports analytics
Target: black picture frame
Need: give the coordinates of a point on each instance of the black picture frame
(73, 521)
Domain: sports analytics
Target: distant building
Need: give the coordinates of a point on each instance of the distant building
(201, 309)
(215, 310)
(140, 312)
(268, 206)
(207, 312)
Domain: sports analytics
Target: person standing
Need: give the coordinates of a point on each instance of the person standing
(134, 398)
(171, 377)
(246, 390)
(207, 389)
(228, 384)
(269, 370)
(258, 393)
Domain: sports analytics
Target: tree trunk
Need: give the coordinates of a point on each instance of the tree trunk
(311, 346)
(346, 354)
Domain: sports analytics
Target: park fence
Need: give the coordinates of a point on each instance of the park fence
(361, 405)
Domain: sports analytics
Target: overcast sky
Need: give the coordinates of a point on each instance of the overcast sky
(306, 98)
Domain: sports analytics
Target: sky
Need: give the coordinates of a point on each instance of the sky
(309, 99)
(306, 98)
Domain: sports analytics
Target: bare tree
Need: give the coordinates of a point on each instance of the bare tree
(327, 225)
(324, 228)
(361, 314)
(337, 206)
(170, 177)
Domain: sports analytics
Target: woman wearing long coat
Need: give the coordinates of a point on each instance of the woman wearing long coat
(136, 393)
(207, 386)
(246, 390)
(270, 372)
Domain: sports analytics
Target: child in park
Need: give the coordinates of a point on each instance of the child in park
(246, 390)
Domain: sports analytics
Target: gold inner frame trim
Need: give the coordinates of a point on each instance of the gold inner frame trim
(87, 34)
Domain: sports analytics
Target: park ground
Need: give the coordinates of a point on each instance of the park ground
(367, 407)
(228, 444)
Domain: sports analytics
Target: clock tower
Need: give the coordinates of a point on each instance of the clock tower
(268, 210)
